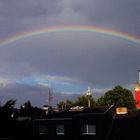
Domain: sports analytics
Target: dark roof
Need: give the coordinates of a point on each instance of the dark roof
(70, 114)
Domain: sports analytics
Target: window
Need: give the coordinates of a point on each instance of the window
(42, 130)
(88, 129)
(60, 129)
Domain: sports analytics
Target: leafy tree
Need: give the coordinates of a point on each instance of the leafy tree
(83, 101)
(69, 104)
(65, 105)
(7, 109)
(26, 105)
(61, 105)
(9, 104)
(119, 96)
(26, 109)
(7, 118)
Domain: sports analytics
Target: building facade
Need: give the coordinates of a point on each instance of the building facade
(87, 124)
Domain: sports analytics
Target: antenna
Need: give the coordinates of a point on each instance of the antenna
(50, 96)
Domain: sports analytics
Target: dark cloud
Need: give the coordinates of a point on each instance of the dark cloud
(90, 58)
(121, 15)
(85, 56)
(18, 15)
(37, 94)
(20, 10)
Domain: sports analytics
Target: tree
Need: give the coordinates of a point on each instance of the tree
(83, 101)
(119, 96)
(65, 105)
(7, 118)
(26, 109)
(61, 105)
(69, 104)
(7, 109)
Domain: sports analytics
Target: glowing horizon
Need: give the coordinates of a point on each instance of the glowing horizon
(92, 29)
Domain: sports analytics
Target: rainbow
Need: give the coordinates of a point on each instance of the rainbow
(92, 29)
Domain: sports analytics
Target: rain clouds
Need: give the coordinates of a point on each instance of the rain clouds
(70, 58)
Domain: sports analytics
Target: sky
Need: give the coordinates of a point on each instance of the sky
(67, 61)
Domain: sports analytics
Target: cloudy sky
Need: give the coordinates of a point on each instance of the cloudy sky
(69, 62)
